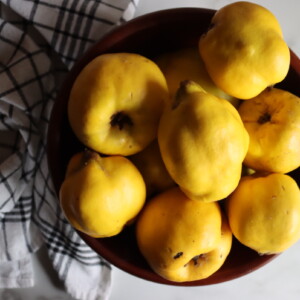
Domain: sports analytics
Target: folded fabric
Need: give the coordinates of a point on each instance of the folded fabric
(39, 42)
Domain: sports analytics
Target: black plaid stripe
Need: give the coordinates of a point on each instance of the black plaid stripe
(81, 11)
(61, 32)
(28, 130)
(21, 214)
(5, 241)
(9, 192)
(70, 20)
(87, 26)
(5, 202)
(59, 237)
(19, 217)
(11, 76)
(24, 25)
(36, 76)
(45, 42)
(6, 175)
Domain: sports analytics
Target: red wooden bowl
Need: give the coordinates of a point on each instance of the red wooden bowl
(148, 35)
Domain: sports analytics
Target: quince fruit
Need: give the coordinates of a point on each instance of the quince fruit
(101, 195)
(187, 64)
(272, 120)
(244, 50)
(116, 102)
(182, 239)
(153, 170)
(264, 212)
(203, 143)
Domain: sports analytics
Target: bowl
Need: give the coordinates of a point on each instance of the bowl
(148, 35)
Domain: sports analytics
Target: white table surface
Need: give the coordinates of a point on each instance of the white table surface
(276, 281)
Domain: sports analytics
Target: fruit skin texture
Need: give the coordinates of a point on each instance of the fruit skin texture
(264, 212)
(203, 143)
(99, 196)
(244, 51)
(180, 237)
(272, 120)
(116, 102)
(187, 64)
(153, 170)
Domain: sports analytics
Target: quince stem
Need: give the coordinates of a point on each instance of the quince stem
(186, 87)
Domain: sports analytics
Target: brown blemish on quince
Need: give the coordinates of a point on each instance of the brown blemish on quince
(179, 254)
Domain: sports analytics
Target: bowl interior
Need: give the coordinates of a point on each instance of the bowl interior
(148, 35)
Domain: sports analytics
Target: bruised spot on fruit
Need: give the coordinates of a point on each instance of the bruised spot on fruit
(240, 44)
(196, 259)
(121, 120)
(178, 255)
(266, 117)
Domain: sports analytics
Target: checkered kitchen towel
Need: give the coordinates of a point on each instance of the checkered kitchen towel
(39, 41)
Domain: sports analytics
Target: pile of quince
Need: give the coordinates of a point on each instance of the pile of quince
(191, 148)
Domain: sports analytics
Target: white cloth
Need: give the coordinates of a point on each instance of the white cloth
(39, 42)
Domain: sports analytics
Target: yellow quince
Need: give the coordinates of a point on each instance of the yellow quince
(203, 143)
(272, 120)
(183, 239)
(101, 195)
(244, 50)
(153, 169)
(264, 212)
(187, 64)
(116, 102)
